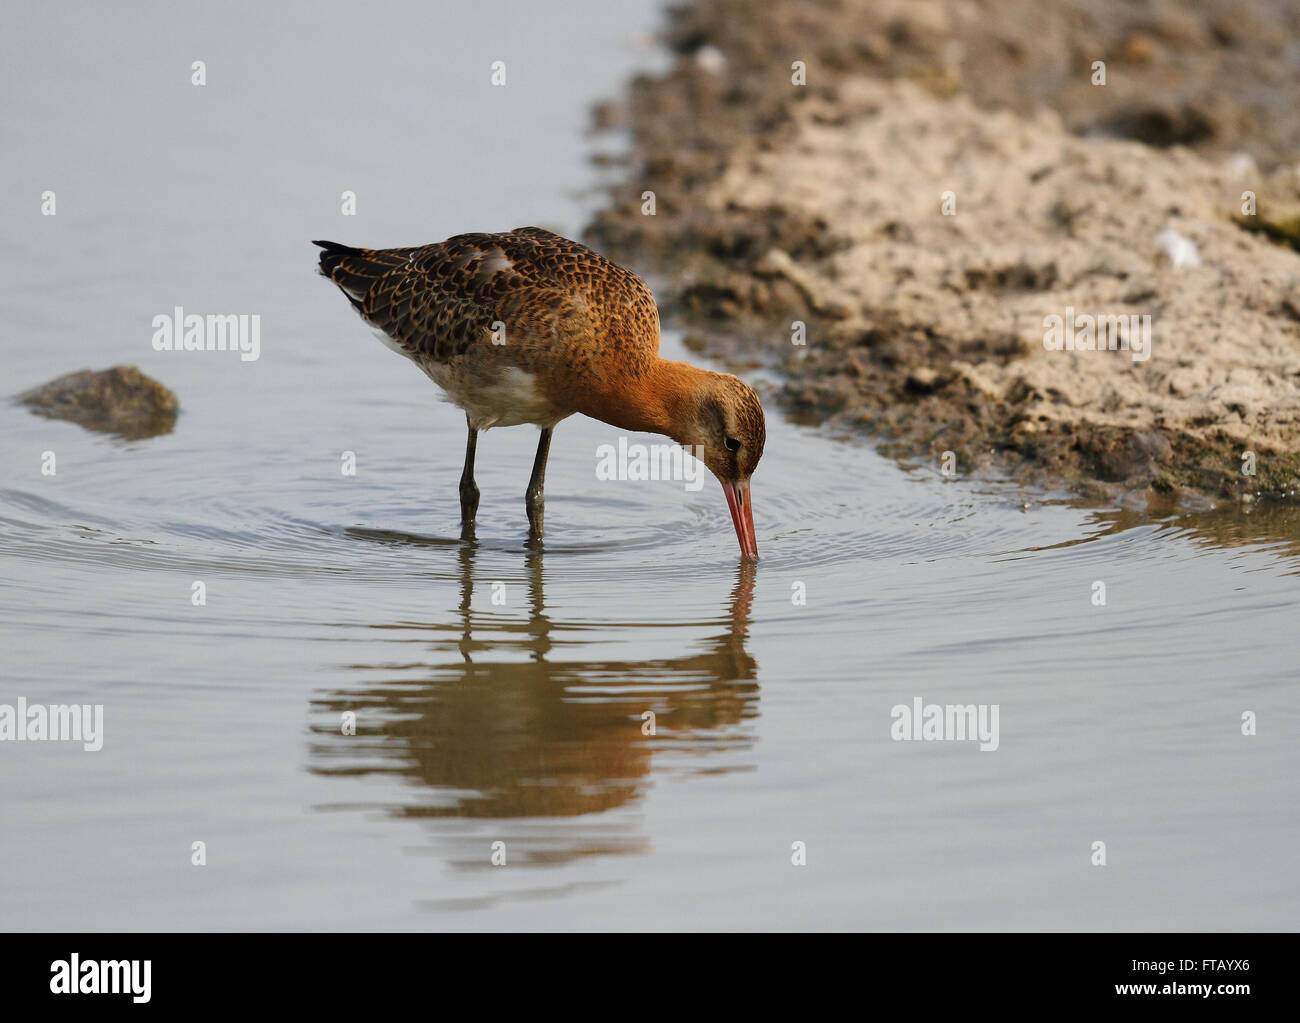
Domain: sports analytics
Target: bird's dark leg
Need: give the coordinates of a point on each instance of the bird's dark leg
(537, 484)
(468, 489)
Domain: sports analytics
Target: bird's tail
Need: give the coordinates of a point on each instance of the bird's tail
(356, 270)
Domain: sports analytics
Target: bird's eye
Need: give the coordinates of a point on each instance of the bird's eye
(732, 444)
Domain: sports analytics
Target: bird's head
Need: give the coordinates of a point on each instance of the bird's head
(725, 428)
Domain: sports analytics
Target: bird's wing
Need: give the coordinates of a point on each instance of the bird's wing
(437, 301)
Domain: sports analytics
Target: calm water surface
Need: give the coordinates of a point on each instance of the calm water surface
(519, 720)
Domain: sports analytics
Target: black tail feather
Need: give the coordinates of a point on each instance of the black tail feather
(333, 254)
(356, 270)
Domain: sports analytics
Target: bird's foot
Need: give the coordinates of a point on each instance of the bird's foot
(468, 504)
(535, 507)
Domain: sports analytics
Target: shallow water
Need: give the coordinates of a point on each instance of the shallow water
(519, 720)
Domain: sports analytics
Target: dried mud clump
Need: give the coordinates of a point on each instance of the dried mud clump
(120, 400)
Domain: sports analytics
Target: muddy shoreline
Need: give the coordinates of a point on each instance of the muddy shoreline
(943, 185)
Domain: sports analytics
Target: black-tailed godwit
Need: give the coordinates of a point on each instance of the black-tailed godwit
(528, 327)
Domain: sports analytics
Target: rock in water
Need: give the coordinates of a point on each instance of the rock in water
(121, 400)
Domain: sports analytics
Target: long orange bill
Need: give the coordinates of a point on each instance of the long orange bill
(742, 515)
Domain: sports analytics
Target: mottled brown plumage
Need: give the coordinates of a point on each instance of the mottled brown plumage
(528, 327)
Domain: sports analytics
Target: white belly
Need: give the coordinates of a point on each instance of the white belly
(507, 396)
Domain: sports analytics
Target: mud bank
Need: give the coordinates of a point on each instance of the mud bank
(949, 200)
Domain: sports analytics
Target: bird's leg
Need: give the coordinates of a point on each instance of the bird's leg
(537, 484)
(468, 489)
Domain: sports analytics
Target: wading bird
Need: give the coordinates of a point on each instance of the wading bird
(528, 327)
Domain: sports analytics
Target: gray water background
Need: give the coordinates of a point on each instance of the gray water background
(521, 722)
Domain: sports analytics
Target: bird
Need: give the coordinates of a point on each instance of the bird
(527, 326)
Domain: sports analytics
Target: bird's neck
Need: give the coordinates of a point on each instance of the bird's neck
(661, 400)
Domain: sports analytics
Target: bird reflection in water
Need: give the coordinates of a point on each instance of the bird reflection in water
(519, 737)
